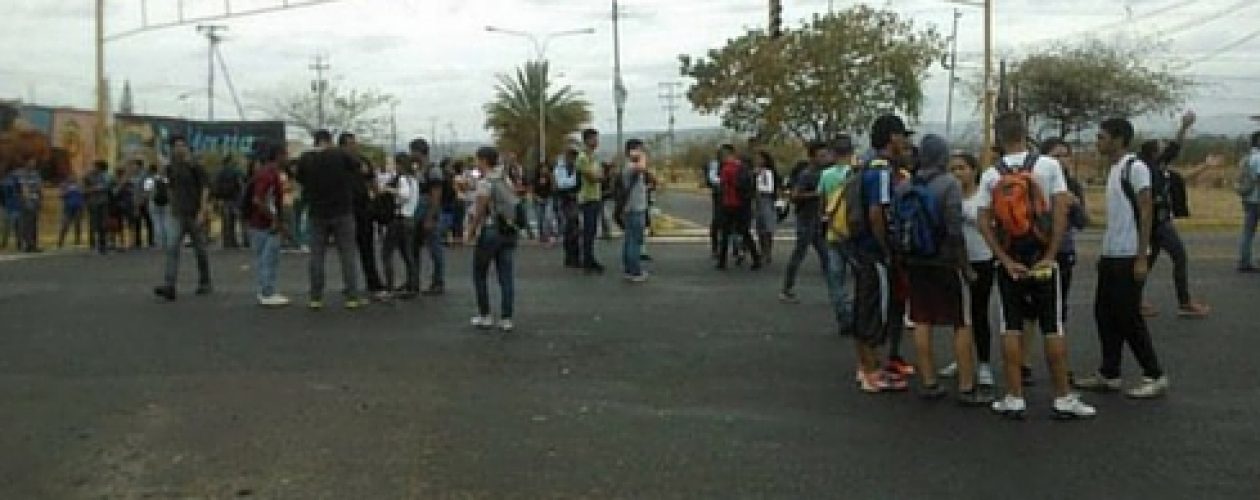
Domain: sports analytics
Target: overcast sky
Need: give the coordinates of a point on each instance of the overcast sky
(436, 56)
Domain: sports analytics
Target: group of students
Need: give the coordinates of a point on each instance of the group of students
(916, 237)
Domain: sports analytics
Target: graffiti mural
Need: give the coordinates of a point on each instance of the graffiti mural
(74, 132)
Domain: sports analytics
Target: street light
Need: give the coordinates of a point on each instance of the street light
(540, 42)
(987, 126)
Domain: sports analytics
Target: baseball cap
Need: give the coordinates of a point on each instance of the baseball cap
(884, 127)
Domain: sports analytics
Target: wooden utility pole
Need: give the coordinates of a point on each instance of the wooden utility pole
(986, 128)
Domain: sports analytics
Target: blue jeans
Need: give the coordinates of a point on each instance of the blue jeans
(632, 248)
(181, 225)
(546, 223)
(1251, 213)
(591, 213)
(161, 224)
(432, 241)
(266, 247)
(838, 287)
(491, 247)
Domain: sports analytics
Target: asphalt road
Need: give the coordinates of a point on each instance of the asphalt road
(695, 385)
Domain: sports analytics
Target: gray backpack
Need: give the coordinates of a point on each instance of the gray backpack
(506, 209)
(1245, 183)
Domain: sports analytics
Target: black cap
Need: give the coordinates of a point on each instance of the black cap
(883, 129)
(842, 145)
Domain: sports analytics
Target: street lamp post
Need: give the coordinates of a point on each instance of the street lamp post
(987, 127)
(540, 42)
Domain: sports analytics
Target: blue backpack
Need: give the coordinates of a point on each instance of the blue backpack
(917, 221)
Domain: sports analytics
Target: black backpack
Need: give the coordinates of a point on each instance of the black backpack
(245, 202)
(227, 185)
(161, 192)
(384, 208)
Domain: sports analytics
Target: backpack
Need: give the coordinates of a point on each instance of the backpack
(1178, 201)
(506, 208)
(1020, 211)
(1245, 184)
(839, 227)
(245, 203)
(161, 192)
(384, 207)
(918, 225)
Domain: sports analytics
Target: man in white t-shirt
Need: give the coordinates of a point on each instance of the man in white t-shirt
(1121, 272)
(1024, 233)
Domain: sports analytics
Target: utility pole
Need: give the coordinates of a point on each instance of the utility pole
(211, 31)
(393, 127)
(102, 99)
(669, 93)
(987, 154)
(619, 87)
(953, 64)
(319, 86)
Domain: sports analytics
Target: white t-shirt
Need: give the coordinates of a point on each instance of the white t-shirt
(1121, 236)
(977, 249)
(408, 195)
(765, 182)
(1047, 173)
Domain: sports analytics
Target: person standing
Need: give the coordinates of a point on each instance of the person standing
(590, 198)
(544, 205)
(767, 196)
(568, 186)
(72, 201)
(712, 181)
(966, 168)
(1158, 156)
(1123, 267)
(265, 222)
(190, 211)
(157, 190)
(362, 186)
(636, 177)
(1248, 189)
(329, 177)
(494, 231)
(890, 165)
(228, 186)
(145, 194)
(831, 189)
(97, 185)
(736, 184)
(1025, 199)
(9, 209)
(808, 232)
(938, 283)
(400, 234)
(429, 216)
(30, 192)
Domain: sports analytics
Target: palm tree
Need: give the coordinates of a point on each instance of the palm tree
(513, 115)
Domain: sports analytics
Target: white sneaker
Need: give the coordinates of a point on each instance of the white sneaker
(1097, 383)
(1149, 388)
(274, 300)
(482, 322)
(1010, 407)
(984, 375)
(639, 278)
(950, 371)
(1071, 406)
(506, 325)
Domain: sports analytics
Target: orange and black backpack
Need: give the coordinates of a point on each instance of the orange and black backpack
(1019, 209)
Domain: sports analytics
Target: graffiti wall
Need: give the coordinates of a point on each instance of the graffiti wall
(143, 138)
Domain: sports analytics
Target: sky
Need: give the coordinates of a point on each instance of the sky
(438, 59)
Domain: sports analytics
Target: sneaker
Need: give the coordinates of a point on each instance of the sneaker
(315, 305)
(1248, 269)
(645, 258)
(382, 296)
(205, 289)
(878, 381)
(482, 322)
(1010, 407)
(166, 293)
(1026, 376)
(1097, 383)
(1193, 310)
(787, 297)
(434, 290)
(352, 304)
(1071, 407)
(594, 269)
(637, 278)
(932, 392)
(274, 300)
(506, 325)
(984, 375)
(900, 367)
(950, 371)
(974, 398)
(1150, 388)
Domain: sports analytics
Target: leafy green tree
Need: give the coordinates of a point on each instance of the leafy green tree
(834, 74)
(1069, 87)
(513, 114)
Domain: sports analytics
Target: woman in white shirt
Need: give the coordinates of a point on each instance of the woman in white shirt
(767, 193)
(966, 168)
(400, 232)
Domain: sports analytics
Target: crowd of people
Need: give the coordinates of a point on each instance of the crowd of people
(911, 237)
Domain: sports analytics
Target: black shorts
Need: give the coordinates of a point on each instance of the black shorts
(939, 296)
(872, 299)
(1029, 298)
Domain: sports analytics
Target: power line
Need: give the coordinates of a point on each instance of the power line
(669, 94)
(1226, 48)
(1199, 22)
(227, 78)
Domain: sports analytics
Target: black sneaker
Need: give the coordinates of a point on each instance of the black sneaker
(1026, 376)
(976, 397)
(434, 290)
(594, 269)
(932, 392)
(645, 258)
(166, 293)
(205, 289)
